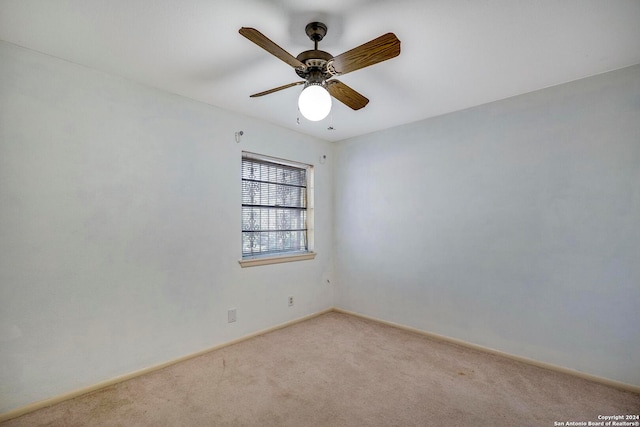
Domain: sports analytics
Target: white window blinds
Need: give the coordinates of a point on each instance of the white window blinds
(274, 207)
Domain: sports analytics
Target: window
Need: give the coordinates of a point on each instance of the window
(277, 210)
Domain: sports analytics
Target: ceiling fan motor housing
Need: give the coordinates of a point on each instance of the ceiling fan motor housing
(316, 61)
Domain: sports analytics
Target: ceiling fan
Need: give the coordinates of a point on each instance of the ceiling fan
(318, 68)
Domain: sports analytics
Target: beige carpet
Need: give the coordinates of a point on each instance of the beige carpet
(341, 370)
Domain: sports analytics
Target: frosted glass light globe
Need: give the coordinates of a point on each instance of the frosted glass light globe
(314, 102)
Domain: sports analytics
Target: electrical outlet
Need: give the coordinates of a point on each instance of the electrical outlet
(231, 315)
(290, 301)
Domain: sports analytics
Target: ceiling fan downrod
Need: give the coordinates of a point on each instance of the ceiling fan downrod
(316, 32)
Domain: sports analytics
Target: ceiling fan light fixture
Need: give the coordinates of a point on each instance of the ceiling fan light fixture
(314, 102)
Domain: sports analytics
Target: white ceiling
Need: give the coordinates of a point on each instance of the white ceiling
(455, 53)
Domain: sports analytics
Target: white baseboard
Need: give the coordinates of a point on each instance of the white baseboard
(606, 381)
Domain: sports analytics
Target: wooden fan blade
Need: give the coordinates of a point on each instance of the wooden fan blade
(377, 50)
(275, 89)
(264, 42)
(346, 95)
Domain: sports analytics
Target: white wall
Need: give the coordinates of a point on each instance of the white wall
(514, 225)
(120, 228)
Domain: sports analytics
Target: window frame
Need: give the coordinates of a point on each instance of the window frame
(285, 256)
